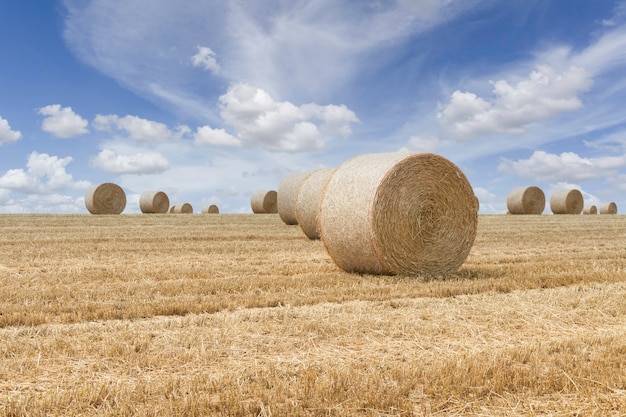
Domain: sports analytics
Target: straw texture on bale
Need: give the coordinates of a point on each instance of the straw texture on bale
(590, 210)
(526, 200)
(264, 202)
(105, 198)
(211, 209)
(287, 195)
(566, 201)
(184, 208)
(154, 202)
(309, 201)
(608, 208)
(398, 213)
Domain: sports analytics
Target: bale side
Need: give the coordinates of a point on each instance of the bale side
(264, 202)
(309, 201)
(608, 208)
(287, 195)
(154, 202)
(211, 209)
(105, 198)
(590, 210)
(566, 201)
(526, 200)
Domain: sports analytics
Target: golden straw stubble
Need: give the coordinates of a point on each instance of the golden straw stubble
(105, 198)
(399, 213)
(154, 202)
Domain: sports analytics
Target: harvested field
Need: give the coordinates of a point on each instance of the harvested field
(242, 315)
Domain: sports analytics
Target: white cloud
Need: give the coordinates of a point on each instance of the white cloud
(205, 59)
(6, 134)
(62, 122)
(205, 135)
(566, 167)
(138, 163)
(141, 130)
(44, 174)
(419, 143)
(545, 93)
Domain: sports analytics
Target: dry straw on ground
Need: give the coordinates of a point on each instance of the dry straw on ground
(264, 202)
(399, 213)
(526, 200)
(211, 209)
(608, 208)
(184, 208)
(287, 195)
(590, 210)
(309, 201)
(154, 202)
(566, 201)
(105, 198)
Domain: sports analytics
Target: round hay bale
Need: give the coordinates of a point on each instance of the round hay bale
(608, 208)
(309, 201)
(287, 195)
(184, 208)
(566, 201)
(154, 202)
(211, 209)
(526, 200)
(398, 213)
(264, 202)
(590, 210)
(105, 198)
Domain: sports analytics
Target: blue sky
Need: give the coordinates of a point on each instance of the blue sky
(214, 100)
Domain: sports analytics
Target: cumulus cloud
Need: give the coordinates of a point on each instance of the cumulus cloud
(566, 167)
(281, 125)
(44, 174)
(545, 93)
(62, 122)
(206, 59)
(7, 135)
(206, 135)
(420, 143)
(141, 130)
(138, 163)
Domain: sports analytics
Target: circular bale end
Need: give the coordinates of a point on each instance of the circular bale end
(566, 201)
(184, 208)
(608, 208)
(264, 202)
(309, 201)
(526, 200)
(211, 209)
(287, 195)
(154, 202)
(590, 210)
(105, 198)
(399, 213)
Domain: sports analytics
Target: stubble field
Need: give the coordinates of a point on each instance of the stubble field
(241, 315)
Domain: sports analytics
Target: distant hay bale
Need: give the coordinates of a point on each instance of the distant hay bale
(154, 202)
(590, 210)
(264, 202)
(566, 201)
(105, 198)
(526, 200)
(184, 208)
(287, 195)
(309, 201)
(398, 213)
(608, 208)
(211, 209)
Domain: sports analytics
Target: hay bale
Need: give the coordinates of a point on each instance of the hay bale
(526, 200)
(264, 202)
(608, 208)
(211, 209)
(154, 202)
(398, 213)
(566, 201)
(105, 198)
(287, 195)
(590, 210)
(184, 208)
(309, 201)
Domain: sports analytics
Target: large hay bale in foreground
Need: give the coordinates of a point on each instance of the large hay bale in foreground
(590, 209)
(608, 208)
(526, 200)
(566, 201)
(184, 208)
(154, 202)
(264, 202)
(398, 213)
(309, 201)
(105, 198)
(287, 195)
(211, 209)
